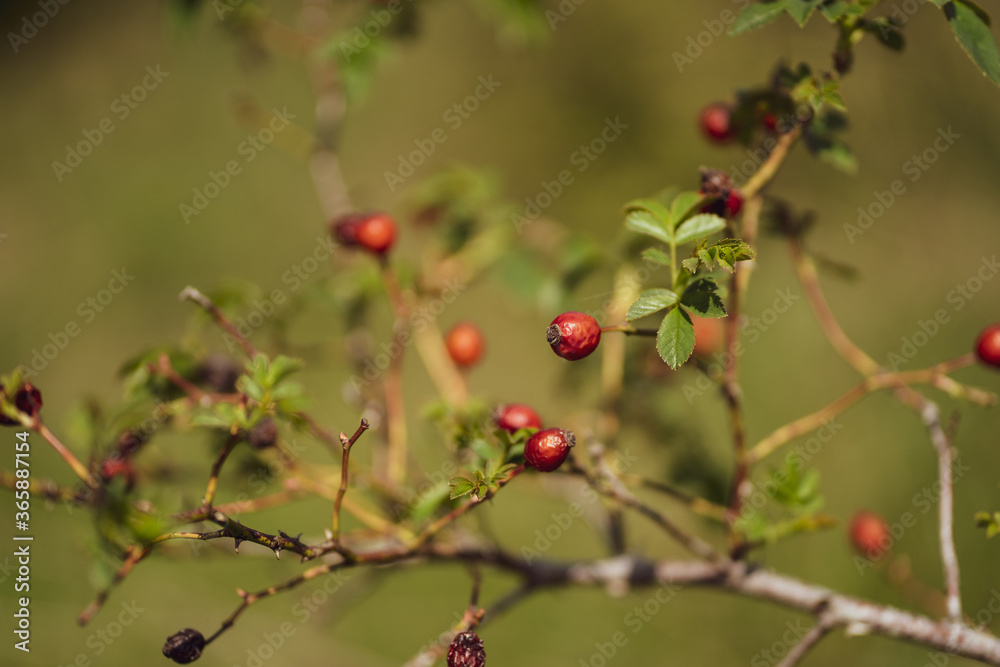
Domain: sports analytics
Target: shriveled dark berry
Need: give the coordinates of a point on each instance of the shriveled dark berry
(264, 434)
(28, 399)
(573, 335)
(466, 650)
(546, 450)
(184, 647)
(219, 373)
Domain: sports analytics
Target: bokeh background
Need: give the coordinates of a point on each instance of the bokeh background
(119, 208)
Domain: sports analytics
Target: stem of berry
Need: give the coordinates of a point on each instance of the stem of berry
(346, 444)
(81, 470)
(629, 330)
(395, 413)
(191, 294)
(213, 480)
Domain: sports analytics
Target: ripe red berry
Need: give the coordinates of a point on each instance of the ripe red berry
(377, 233)
(988, 346)
(466, 650)
(515, 416)
(115, 466)
(708, 335)
(465, 344)
(770, 122)
(573, 335)
(869, 535)
(716, 122)
(546, 450)
(374, 232)
(734, 203)
(728, 205)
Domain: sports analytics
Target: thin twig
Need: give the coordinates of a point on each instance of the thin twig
(67, 456)
(347, 444)
(807, 643)
(192, 294)
(884, 380)
(607, 484)
(931, 416)
(769, 169)
(213, 479)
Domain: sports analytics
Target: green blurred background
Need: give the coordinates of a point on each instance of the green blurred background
(119, 208)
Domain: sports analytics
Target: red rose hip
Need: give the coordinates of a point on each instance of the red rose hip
(573, 335)
(546, 450)
(465, 344)
(988, 346)
(515, 416)
(869, 535)
(375, 232)
(716, 122)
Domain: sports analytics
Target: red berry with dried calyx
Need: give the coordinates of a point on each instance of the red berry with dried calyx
(465, 344)
(869, 535)
(716, 122)
(375, 232)
(546, 450)
(184, 647)
(515, 416)
(988, 346)
(466, 650)
(573, 335)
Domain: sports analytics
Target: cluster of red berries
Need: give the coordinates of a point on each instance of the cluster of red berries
(717, 123)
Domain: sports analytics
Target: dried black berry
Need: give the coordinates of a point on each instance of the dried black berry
(466, 650)
(219, 373)
(264, 434)
(27, 399)
(184, 647)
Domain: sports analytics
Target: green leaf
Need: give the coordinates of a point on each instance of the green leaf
(675, 338)
(838, 155)
(650, 301)
(281, 368)
(646, 223)
(801, 10)
(502, 473)
(460, 486)
(653, 206)
(886, 31)
(701, 298)
(483, 449)
(973, 33)
(704, 224)
(684, 204)
(725, 253)
(656, 255)
(429, 501)
(831, 95)
(756, 15)
(833, 11)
